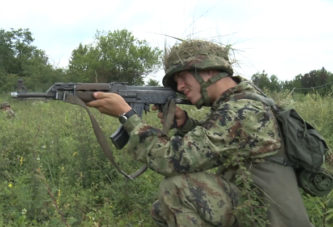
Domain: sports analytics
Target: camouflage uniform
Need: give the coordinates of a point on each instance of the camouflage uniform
(20, 86)
(189, 195)
(6, 108)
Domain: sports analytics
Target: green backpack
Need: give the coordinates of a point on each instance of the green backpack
(305, 148)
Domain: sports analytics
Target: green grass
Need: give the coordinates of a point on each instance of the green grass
(53, 172)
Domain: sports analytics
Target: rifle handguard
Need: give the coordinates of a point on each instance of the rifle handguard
(85, 96)
(86, 91)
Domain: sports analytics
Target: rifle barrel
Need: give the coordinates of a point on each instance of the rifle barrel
(31, 95)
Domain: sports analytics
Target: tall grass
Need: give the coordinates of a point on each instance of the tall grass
(318, 111)
(53, 173)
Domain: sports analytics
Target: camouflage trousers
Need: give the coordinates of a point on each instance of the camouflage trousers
(196, 199)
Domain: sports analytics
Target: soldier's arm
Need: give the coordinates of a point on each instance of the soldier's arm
(197, 150)
(246, 130)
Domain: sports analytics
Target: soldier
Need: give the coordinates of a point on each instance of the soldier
(238, 137)
(6, 108)
(20, 87)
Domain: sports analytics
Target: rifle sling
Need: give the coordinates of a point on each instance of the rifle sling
(169, 110)
(102, 139)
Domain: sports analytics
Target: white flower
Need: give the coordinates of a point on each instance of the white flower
(24, 211)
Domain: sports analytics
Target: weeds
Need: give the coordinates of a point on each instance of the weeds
(53, 173)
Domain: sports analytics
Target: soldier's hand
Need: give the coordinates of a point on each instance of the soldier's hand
(110, 103)
(180, 115)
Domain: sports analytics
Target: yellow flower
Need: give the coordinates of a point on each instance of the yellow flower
(10, 185)
(58, 196)
(21, 160)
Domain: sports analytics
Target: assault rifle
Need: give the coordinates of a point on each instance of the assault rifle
(138, 97)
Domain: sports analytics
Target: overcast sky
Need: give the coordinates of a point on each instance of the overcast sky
(282, 37)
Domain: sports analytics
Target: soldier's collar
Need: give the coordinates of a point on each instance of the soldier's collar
(242, 86)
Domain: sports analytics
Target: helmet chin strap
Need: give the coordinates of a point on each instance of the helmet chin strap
(205, 99)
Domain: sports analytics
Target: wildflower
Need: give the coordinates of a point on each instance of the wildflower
(24, 211)
(58, 196)
(10, 185)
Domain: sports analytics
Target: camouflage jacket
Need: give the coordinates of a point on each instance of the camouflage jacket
(233, 125)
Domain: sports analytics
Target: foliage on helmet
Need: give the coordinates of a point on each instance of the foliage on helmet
(195, 55)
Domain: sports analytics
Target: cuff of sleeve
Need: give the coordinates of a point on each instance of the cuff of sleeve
(132, 122)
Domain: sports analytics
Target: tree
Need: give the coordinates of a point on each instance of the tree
(116, 56)
(15, 49)
(275, 84)
(82, 64)
(153, 82)
(316, 79)
(19, 59)
(319, 81)
(260, 80)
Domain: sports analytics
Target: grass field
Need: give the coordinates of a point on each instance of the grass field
(53, 172)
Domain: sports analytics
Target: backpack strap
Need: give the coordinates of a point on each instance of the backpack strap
(279, 158)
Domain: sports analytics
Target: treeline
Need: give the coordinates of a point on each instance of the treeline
(19, 59)
(316, 81)
(113, 56)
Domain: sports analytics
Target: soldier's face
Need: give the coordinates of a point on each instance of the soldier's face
(188, 85)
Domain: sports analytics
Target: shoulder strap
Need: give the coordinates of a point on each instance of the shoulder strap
(257, 97)
(280, 157)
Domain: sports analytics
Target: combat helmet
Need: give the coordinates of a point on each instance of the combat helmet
(195, 56)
